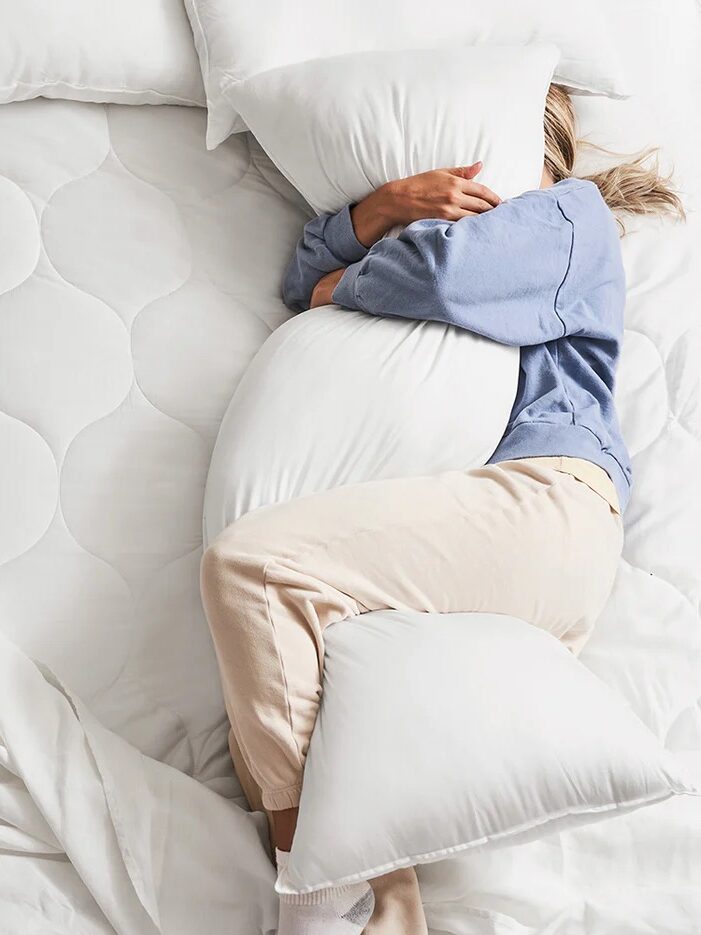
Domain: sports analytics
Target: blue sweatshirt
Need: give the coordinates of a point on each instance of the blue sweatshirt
(542, 271)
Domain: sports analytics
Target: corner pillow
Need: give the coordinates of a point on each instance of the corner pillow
(238, 40)
(443, 733)
(127, 52)
(337, 397)
(339, 127)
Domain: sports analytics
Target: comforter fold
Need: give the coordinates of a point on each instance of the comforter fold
(118, 841)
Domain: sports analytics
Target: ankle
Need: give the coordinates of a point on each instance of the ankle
(395, 883)
(284, 825)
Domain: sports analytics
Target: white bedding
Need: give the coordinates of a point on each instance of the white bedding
(138, 275)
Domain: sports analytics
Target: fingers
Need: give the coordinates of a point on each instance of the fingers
(481, 192)
(476, 205)
(475, 189)
(461, 206)
(467, 172)
(457, 214)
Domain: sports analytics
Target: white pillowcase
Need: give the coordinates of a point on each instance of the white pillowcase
(339, 127)
(238, 40)
(126, 52)
(449, 732)
(337, 397)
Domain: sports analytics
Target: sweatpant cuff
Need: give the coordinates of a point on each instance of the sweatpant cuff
(278, 799)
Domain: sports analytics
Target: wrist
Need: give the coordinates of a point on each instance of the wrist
(323, 291)
(375, 215)
(389, 203)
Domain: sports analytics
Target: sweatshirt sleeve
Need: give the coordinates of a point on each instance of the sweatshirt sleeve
(497, 274)
(327, 243)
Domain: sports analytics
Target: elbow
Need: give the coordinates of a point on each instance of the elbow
(289, 299)
(442, 299)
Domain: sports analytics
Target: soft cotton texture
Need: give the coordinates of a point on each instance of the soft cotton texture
(238, 40)
(118, 615)
(542, 272)
(130, 52)
(273, 581)
(95, 837)
(285, 434)
(343, 910)
(524, 741)
(340, 127)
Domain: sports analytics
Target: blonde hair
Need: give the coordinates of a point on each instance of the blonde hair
(635, 186)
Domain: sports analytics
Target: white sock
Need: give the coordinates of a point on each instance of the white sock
(338, 910)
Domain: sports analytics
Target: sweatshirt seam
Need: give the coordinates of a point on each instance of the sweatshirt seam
(567, 269)
(568, 398)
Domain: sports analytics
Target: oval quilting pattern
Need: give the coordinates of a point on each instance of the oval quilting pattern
(133, 306)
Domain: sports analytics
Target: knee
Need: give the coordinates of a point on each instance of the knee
(212, 567)
(227, 559)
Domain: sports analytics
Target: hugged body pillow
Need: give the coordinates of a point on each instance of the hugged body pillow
(336, 397)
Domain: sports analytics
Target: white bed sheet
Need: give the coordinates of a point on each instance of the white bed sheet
(138, 275)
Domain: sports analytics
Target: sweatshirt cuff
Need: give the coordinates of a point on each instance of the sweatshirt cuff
(340, 237)
(345, 293)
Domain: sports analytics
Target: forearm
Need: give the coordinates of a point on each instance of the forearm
(487, 275)
(328, 243)
(375, 215)
(334, 241)
(398, 277)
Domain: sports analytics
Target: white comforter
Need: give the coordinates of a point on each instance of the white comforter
(96, 837)
(121, 342)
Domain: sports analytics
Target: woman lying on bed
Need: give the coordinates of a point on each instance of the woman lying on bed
(535, 533)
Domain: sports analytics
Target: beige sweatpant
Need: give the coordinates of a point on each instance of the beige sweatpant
(536, 538)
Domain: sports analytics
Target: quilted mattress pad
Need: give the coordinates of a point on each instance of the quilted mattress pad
(138, 276)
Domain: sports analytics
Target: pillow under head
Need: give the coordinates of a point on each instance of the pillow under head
(236, 41)
(126, 52)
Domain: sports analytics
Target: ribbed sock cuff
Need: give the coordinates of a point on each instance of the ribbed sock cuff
(322, 897)
(319, 897)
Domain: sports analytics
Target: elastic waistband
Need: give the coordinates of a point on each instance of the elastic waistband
(589, 473)
(566, 440)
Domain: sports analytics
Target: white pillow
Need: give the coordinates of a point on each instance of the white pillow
(449, 732)
(336, 397)
(126, 52)
(339, 127)
(238, 40)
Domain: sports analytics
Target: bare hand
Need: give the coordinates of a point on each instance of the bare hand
(447, 194)
(323, 290)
